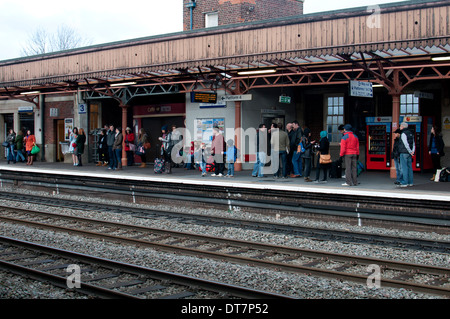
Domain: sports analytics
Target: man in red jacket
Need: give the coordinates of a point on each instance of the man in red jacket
(350, 152)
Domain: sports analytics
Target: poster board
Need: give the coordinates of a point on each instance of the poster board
(204, 128)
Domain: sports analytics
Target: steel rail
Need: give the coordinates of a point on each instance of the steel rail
(217, 287)
(320, 233)
(348, 259)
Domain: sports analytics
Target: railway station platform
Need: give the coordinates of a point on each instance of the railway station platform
(371, 183)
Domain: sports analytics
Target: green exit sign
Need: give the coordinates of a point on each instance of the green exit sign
(285, 99)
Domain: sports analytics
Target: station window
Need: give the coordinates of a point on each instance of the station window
(211, 19)
(334, 108)
(409, 105)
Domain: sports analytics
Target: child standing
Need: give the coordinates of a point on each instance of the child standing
(231, 157)
(199, 156)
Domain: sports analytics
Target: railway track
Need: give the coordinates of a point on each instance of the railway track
(303, 231)
(416, 214)
(105, 278)
(421, 278)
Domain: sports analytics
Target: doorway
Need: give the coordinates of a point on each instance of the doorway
(60, 137)
(152, 126)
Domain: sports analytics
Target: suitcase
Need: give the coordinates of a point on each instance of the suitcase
(159, 166)
(336, 169)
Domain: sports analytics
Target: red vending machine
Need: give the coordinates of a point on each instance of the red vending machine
(415, 126)
(427, 124)
(378, 151)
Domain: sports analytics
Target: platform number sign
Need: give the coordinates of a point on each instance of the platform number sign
(82, 108)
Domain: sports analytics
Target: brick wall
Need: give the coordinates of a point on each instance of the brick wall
(65, 111)
(240, 11)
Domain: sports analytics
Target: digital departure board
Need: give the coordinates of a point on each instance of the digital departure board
(203, 97)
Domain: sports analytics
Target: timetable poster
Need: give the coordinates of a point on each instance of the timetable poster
(204, 128)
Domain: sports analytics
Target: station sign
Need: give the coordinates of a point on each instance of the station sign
(233, 98)
(361, 89)
(285, 99)
(203, 97)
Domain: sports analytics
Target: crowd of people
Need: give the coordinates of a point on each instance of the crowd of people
(20, 146)
(291, 151)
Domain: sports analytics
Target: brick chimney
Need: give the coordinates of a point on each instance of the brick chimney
(199, 14)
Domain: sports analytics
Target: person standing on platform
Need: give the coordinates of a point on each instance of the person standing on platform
(261, 151)
(30, 141)
(231, 157)
(19, 146)
(407, 148)
(396, 157)
(73, 145)
(217, 151)
(436, 149)
(102, 149)
(297, 161)
(166, 148)
(110, 137)
(117, 148)
(11, 139)
(290, 132)
(307, 154)
(324, 149)
(129, 146)
(350, 152)
(280, 146)
(81, 139)
(143, 140)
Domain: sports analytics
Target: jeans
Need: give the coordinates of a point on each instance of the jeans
(297, 163)
(276, 156)
(230, 169)
(203, 167)
(259, 165)
(112, 158)
(20, 154)
(118, 158)
(10, 156)
(398, 170)
(406, 167)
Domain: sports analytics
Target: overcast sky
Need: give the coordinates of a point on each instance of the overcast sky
(104, 21)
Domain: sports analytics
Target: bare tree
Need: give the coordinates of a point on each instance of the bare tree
(65, 38)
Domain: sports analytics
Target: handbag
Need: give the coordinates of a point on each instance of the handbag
(132, 147)
(325, 159)
(35, 150)
(5, 144)
(140, 150)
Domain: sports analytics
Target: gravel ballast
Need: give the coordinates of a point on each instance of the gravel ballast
(295, 285)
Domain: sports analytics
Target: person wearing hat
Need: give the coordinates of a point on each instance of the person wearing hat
(396, 157)
(350, 152)
(407, 148)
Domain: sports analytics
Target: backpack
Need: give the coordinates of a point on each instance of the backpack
(359, 167)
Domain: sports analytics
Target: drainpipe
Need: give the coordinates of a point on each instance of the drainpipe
(42, 111)
(191, 5)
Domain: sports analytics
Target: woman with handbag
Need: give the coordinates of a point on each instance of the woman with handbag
(73, 145)
(142, 142)
(324, 158)
(30, 141)
(79, 149)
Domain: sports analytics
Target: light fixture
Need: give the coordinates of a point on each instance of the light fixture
(441, 58)
(253, 72)
(377, 85)
(122, 84)
(30, 92)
